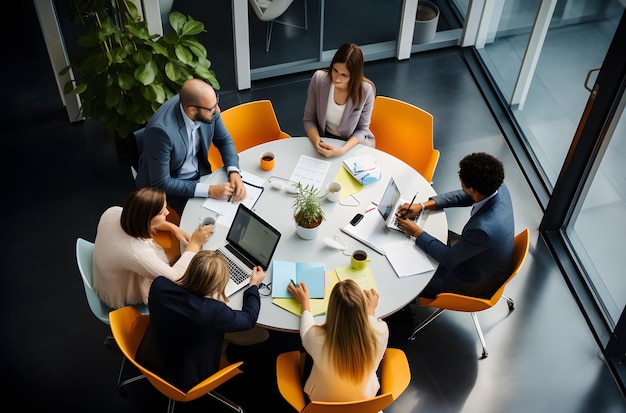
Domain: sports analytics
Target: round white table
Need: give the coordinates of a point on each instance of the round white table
(275, 206)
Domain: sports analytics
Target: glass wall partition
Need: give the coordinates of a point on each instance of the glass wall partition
(539, 53)
(598, 224)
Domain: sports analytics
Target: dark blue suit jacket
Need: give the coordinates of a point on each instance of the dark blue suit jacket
(164, 146)
(482, 259)
(183, 342)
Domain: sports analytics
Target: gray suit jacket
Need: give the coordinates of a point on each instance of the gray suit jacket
(482, 259)
(165, 146)
(355, 120)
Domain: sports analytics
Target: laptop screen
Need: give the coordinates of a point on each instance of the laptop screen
(389, 200)
(253, 237)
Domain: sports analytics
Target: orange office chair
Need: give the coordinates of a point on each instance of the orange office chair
(395, 376)
(129, 325)
(457, 302)
(249, 124)
(406, 132)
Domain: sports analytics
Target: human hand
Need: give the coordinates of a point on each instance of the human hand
(409, 227)
(328, 150)
(258, 275)
(221, 191)
(182, 235)
(411, 213)
(239, 189)
(199, 237)
(371, 296)
(301, 293)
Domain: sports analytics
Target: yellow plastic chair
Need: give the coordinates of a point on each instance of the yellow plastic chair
(249, 124)
(129, 325)
(395, 376)
(457, 302)
(406, 132)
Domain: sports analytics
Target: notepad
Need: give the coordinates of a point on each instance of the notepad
(313, 274)
(318, 305)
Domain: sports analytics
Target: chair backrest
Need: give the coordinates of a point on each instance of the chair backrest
(395, 376)
(458, 302)
(84, 259)
(129, 326)
(406, 132)
(267, 10)
(249, 124)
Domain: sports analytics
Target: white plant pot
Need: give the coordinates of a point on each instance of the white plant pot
(307, 233)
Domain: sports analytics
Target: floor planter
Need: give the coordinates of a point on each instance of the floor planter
(426, 22)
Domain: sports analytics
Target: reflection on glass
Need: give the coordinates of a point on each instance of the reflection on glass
(597, 232)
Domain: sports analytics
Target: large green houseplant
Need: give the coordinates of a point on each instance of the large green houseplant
(122, 73)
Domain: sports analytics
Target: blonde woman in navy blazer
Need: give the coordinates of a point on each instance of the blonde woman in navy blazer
(166, 162)
(482, 259)
(346, 113)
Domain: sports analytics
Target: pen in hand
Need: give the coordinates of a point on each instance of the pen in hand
(409, 208)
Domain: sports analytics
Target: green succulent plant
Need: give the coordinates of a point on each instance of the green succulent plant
(308, 211)
(122, 73)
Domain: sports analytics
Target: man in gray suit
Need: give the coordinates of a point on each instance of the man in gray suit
(175, 145)
(482, 258)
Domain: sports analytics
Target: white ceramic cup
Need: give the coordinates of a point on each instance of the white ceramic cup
(334, 191)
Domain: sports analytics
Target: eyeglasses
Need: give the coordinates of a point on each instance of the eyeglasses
(213, 109)
(265, 289)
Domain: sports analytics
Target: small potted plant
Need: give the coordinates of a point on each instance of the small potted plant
(308, 212)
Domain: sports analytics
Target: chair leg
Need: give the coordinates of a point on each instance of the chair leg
(509, 302)
(426, 322)
(227, 402)
(121, 384)
(480, 334)
(268, 35)
(170, 405)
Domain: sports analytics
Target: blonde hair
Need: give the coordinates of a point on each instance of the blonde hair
(350, 344)
(206, 275)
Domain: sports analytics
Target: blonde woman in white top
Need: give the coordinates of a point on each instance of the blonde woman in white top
(348, 348)
(127, 259)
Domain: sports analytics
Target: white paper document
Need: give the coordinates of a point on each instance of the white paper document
(406, 258)
(310, 171)
(225, 209)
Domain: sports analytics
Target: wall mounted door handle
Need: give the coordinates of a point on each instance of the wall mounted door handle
(587, 80)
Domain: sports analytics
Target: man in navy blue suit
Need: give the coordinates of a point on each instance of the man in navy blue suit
(482, 259)
(175, 146)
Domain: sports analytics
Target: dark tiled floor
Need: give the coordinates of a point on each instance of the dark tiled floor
(542, 356)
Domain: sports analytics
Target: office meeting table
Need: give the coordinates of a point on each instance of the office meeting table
(275, 206)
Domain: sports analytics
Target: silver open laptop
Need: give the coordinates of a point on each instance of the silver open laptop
(250, 242)
(389, 204)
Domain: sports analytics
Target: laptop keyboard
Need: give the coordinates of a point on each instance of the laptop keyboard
(236, 273)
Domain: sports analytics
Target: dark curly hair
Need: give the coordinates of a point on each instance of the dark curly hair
(481, 172)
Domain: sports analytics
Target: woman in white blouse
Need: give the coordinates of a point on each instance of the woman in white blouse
(126, 259)
(339, 103)
(347, 348)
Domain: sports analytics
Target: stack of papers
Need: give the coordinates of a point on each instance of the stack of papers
(363, 168)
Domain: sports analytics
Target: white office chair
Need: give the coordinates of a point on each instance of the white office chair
(269, 10)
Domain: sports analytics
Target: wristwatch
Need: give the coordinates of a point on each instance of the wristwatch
(423, 207)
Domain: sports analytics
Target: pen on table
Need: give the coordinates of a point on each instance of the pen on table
(370, 209)
(410, 205)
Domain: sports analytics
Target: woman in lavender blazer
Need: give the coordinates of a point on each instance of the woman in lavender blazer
(339, 103)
